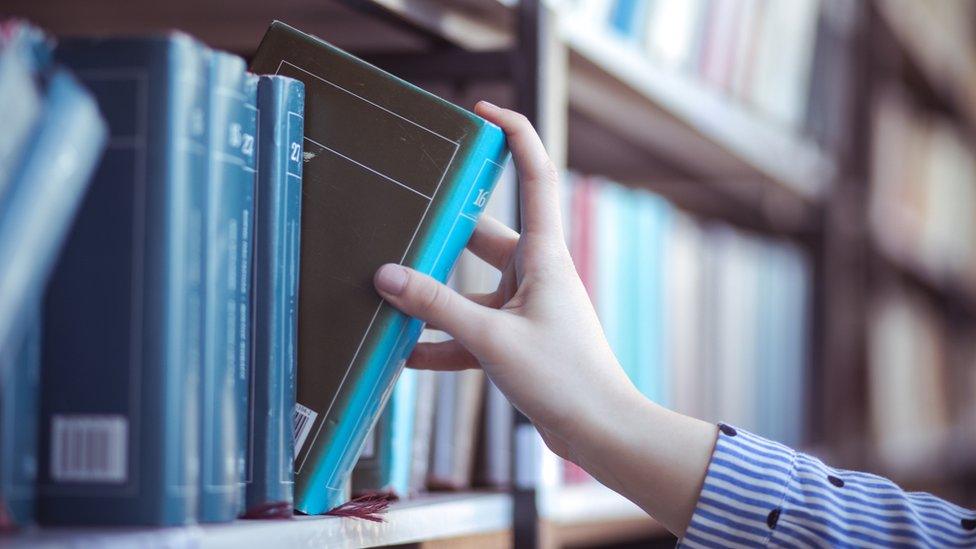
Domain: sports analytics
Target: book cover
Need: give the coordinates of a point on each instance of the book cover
(391, 174)
(227, 255)
(20, 370)
(271, 450)
(123, 313)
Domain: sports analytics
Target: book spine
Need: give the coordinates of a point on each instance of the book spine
(245, 320)
(19, 399)
(436, 254)
(270, 472)
(228, 199)
(186, 224)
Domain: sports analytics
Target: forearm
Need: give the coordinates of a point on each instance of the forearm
(653, 456)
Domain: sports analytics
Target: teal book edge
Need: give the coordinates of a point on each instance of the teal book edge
(123, 313)
(230, 202)
(271, 453)
(394, 135)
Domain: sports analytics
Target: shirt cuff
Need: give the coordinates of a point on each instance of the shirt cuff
(743, 493)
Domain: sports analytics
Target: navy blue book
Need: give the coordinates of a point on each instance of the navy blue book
(123, 313)
(270, 477)
(229, 215)
(20, 370)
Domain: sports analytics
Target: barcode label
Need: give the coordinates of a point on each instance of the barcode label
(89, 448)
(304, 419)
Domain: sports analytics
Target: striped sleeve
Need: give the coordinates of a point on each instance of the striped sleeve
(758, 493)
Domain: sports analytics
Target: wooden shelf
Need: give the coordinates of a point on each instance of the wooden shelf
(946, 294)
(435, 517)
(940, 45)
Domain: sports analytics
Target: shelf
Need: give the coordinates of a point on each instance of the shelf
(590, 513)
(677, 117)
(435, 517)
(945, 294)
(940, 43)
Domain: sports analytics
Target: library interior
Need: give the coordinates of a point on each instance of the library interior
(771, 205)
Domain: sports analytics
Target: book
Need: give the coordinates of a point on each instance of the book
(653, 227)
(123, 312)
(46, 185)
(403, 412)
(228, 223)
(281, 108)
(20, 370)
(456, 416)
(392, 174)
(20, 106)
(423, 426)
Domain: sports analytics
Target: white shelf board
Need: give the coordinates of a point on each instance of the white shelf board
(428, 518)
(584, 503)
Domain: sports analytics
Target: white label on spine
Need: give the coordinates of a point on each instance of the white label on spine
(89, 448)
(304, 419)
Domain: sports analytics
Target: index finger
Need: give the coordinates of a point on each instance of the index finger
(536, 173)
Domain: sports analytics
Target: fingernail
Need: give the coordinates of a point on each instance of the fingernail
(488, 104)
(391, 278)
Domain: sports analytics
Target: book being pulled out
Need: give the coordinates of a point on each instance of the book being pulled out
(391, 174)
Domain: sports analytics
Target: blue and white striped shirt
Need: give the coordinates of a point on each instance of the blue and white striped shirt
(759, 493)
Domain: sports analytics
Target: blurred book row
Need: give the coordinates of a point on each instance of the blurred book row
(784, 58)
(921, 377)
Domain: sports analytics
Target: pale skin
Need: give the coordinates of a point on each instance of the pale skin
(538, 338)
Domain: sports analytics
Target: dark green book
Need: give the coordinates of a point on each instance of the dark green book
(391, 174)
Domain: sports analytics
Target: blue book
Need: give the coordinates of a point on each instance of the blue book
(403, 409)
(123, 317)
(20, 370)
(654, 219)
(271, 450)
(391, 174)
(20, 109)
(229, 215)
(44, 189)
(628, 17)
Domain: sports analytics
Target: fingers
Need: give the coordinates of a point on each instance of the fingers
(537, 175)
(490, 299)
(421, 296)
(493, 241)
(443, 356)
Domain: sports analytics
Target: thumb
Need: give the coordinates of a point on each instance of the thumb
(421, 296)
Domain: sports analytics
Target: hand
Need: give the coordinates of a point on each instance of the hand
(537, 336)
(539, 340)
